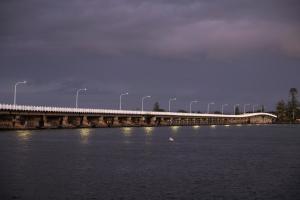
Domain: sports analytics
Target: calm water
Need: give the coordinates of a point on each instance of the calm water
(248, 162)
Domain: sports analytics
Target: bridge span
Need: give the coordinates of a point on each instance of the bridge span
(41, 117)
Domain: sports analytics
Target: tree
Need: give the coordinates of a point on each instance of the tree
(292, 106)
(157, 108)
(293, 96)
(237, 110)
(182, 111)
(281, 111)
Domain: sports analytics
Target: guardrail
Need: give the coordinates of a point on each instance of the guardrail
(10, 107)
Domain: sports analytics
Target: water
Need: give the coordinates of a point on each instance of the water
(247, 162)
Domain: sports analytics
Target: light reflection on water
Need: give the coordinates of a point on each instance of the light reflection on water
(24, 135)
(196, 127)
(85, 133)
(148, 130)
(127, 131)
(149, 133)
(174, 129)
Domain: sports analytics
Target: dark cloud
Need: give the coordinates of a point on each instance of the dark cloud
(209, 49)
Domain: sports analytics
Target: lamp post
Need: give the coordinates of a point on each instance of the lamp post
(191, 105)
(143, 101)
(245, 105)
(208, 106)
(15, 90)
(234, 107)
(120, 105)
(172, 99)
(253, 108)
(77, 93)
(223, 108)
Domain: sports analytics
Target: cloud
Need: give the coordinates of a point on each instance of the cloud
(223, 39)
(157, 28)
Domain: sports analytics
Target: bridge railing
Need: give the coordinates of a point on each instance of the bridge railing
(10, 107)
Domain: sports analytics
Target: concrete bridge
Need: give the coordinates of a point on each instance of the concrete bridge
(40, 117)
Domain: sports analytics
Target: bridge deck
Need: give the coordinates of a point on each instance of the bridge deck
(45, 109)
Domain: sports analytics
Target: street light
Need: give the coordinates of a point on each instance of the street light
(253, 108)
(84, 89)
(172, 99)
(191, 105)
(143, 101)
(120, 105)
(234, 107)
(15, 91)
(208, 106)
(245, 105)
(223, 108)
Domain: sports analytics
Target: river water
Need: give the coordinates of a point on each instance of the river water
(236, 162)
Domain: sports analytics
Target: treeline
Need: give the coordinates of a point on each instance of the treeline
(288, 111)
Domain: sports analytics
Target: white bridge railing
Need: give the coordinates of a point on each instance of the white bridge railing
(46, 109)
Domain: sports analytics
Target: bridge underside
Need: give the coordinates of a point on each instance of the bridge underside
(33, 120)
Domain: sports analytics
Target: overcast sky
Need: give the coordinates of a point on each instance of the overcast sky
(225, 51)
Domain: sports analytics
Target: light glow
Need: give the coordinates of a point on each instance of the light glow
(148, 130)
(175, 128)
(84, 134)
(23, 134)
(127, 131)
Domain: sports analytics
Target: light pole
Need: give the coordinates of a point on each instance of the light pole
(15, 91)
(245, 105)
(77, 93)
(208, 106)
(253, 108)
(120, 105)
(234, 107)
(223, 108)
(172, 99)
(143, 101)
(191, 105)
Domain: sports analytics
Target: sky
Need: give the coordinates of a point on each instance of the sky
(222, 51)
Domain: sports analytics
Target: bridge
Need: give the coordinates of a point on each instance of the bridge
(42, 117)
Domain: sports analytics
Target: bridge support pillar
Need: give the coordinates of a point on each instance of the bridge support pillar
(153, 121)
(18, 123)
(116, 122)
(142, 121)
(164, 121)
(6, 122)
(65, 122)
(128, 121)
(85, 121)
(102, 122)
(46, 124)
